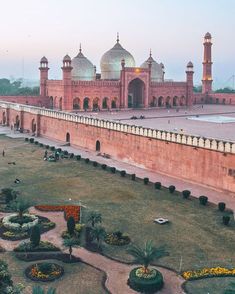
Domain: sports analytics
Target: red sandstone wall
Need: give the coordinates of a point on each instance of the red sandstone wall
(30, 100)
(215, 98)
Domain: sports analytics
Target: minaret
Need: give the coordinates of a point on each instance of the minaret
(67, 103)
(189, 76)
(207, 65)
(43, 76)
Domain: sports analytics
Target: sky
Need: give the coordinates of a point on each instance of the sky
(173, 29)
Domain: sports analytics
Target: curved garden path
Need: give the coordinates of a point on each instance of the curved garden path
(117, 272)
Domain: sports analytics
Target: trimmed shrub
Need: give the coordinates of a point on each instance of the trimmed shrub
(123, 173)
(203, 200)
(104, 166)
(52, 148)
(71, 225)
(35, 236)
(87, 160)
(65, 152)
(171, 189)
(41, 145)
(158, 185)
(59, 150)
(186, 194)
(95, 163)
(221, 206)
(113, 169)
(78, 157)
(133, 177)
(26, 139)
(36, 142)
(146, 181)
(71, 155)
(47, 146)
(31, 140)
(226, 220)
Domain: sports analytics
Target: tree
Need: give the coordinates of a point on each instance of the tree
(98, 234)
(94, 218)
(35, 236)
(9, 194)
(20, 206)
(145, 256)
(40, 290)
(70, 243)
(71, 225)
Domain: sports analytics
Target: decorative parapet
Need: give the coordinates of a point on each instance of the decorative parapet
(195, 141)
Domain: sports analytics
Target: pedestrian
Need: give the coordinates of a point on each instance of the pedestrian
(3, 153)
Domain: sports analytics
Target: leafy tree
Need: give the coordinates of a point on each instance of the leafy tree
(197, 89)
(71, 243)
(14, 88)
(145, 256)
(40, 290)
(20, 206)
(9, 194)
(35, 236)
(225, 90)
(71, 225)
(98, 234)
(94, 218)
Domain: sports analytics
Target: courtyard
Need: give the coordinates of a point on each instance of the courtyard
(195, 236)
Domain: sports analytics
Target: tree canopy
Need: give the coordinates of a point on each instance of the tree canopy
(14, 88)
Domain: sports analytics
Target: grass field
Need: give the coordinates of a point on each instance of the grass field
(195, 236)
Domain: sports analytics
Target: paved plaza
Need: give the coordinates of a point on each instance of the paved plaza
(180, 120)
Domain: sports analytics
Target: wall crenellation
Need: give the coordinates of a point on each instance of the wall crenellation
(180, 138)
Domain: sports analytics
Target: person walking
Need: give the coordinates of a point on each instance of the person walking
(3, 153)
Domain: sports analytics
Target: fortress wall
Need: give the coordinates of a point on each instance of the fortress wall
(27, 100)
(204, 161)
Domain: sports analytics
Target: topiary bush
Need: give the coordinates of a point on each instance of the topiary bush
(47, 146)
(123, 173)
(65, 152)
(133, 177)
(171, 189)
(186, 194)
(35, 236)
(71, 155)
(146, 181)
(158, 185)
(59, 150)
(31, 140)
(71, 225)
(41, 145)
(95, 163)
(113, 169)
(52, 148)
(145, 285)
(221, 206)
(103, 166)
(78, 157)
(203, 200)
(87, 160)
(26, 139)
(36, 142)
(226, 220)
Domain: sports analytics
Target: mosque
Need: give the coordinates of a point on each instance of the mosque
(120, 85)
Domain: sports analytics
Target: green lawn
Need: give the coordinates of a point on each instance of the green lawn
(194, 237)
(78, 278)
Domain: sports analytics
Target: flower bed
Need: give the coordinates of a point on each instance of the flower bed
(44, 246)
(44, 272)
(69, 210)
(30, 221)
(117, 239)
(209, 273)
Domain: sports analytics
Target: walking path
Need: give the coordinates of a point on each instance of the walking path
(197, 190)
(117, 272)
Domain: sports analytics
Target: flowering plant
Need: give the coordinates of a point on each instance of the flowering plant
(69, 210)
(208, 273)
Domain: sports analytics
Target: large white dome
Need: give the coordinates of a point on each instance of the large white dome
(157, 70)
(83, 69)
(110, 63)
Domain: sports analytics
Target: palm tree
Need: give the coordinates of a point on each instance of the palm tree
(94, 218)
(98, 234)
(70, 243)
(20, 206)
(146, 255)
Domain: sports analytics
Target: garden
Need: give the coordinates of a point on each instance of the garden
(120, 210)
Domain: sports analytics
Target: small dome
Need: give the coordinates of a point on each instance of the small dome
(157, 73)
(110, 63)
(83, 69)
(67, 58)
(190, 64)
(207, 35)
(44, 60)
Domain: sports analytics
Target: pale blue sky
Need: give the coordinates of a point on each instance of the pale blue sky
(174, 29)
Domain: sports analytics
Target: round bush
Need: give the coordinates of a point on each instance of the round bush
(26, 139)
(31, 140)
(44, 272)
(36, 142)
(186, 194)
(146, 181)
(104, 166)
(78, 157)
(87, 160)
(158, 185)
(203, 200)
(16, 226)
(171, 189)
(47, 146)
(59, 150)
(41, 145)
(133, 177)
(150, 284)
(52, 148)
(65, 152)
(113, 169)
(71, 155)
(123, 173)
(226, 220)
(221, 206)
(95, 163)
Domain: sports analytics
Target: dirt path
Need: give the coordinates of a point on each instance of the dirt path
(117, 272)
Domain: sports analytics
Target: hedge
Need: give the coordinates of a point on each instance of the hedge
(158, 185)
(171, 189)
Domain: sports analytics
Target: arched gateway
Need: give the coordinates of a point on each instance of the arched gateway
(136, 91)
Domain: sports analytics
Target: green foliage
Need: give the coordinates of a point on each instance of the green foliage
(71, 225)
(226, 220)
(133, 177)
(197, 89)
(20, 206)
(225, 90)
(123, 173)
(221, 206)
(9, 194)
(203, 200)
(71, 243)
(146, 181)
(186, 194)
(113, 169)
(14, 88)
(104, 166)
(42, 247)
(31, 140)
(98, 233)
(147, 254)
(231, 289)
(87, 160)
(158, 185)
(94, 218)
(171, 189)
(40, 290)
(35, 236)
